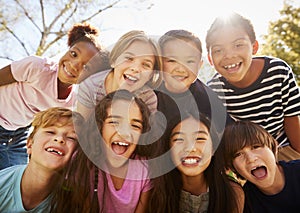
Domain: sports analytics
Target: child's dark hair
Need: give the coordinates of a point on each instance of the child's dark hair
(84, 32)
(244, 133)
(106, 102)
(233, 20)
(181, 35)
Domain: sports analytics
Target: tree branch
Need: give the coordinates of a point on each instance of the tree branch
(27, 15)
(15, 36)
(101, 10)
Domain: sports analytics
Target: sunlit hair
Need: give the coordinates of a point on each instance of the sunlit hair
(54, 117)
(136, 35)
(183, 35)
(241, 134)
(84, 32)
(231, 20)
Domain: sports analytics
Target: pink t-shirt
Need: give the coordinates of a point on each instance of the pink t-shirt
(126, 199)
(34, 91)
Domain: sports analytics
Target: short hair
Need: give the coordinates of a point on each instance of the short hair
(240, 134)
(52, 117)
(183, 35)
(232, 20)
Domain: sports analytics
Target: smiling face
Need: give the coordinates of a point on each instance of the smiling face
(121, 131)
(191, 147)
(71, 64)
(231, 54)
(257, 164)
(134, 67)
(181, 63)
(52, 147)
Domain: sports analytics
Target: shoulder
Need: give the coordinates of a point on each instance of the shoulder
(11, 175)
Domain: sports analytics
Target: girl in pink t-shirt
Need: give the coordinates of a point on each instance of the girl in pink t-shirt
(34, 84)
(116, 171)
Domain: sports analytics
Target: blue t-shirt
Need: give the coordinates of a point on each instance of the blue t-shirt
(285, 201)
(10, 192)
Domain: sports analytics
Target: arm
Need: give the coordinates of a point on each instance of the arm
(83, 110)
(292, 129)
(6, 76)
(143, 202)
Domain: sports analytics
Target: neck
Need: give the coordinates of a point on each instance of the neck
(63, 89)
(196, 185)
(36, 185)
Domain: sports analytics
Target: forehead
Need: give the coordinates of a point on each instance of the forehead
(181, 48)
(140, 48)
(124, 108)
(190, 125)
(229, 35)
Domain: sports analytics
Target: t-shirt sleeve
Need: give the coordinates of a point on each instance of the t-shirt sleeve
(27, 69)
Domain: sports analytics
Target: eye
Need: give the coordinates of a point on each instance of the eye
(147, 65)
(256, 146)
(237, 154)
(137, 126)
(73, 139)
(190, 61)
(129, 58)
(50, 132)
(201, 139)
(73, 53)
(177, 140)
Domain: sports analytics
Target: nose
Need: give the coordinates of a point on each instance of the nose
(59, 139)
(190, 146)
(229, 53)
(77, 66)
(179, 67)
(250, 157)
(125, 132)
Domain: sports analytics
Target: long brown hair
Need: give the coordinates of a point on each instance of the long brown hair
(78, 192)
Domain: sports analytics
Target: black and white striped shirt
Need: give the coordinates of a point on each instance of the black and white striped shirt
(274, 95)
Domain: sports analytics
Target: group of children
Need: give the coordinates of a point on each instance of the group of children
(141, 133)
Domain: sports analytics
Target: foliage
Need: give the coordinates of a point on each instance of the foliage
(283, 39)
(40, 27)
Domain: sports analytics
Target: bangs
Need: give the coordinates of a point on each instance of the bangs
(246, 133)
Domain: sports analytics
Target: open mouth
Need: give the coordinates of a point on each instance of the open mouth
(190, 161)
(259, 172)
(179, 78)
(130, 78)
(68, 73)
(119, 148)
(54, 151)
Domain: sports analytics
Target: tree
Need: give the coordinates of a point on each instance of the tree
(40, 27)
(283, 39)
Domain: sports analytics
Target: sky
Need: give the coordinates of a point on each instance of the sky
(193, 15)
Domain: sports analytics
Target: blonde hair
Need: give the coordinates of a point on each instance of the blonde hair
(52, 117)
(136, 35)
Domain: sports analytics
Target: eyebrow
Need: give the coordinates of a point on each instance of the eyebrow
(130, 53)
(181, 133)
(118, 116)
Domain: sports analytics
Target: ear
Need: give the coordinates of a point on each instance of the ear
(29, 145)
(200, 64)
(255, 47)
(210, 59)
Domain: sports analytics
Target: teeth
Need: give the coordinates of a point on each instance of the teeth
(131, 78)
(65, 69)
(190, 161)
(231, 66)
(52, 150)
(121, 143)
